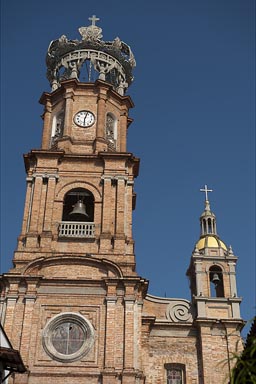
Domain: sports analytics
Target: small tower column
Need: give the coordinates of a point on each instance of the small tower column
(123, 133)
(68, 113)
(101, 117)
(47, 125)
(38, 180)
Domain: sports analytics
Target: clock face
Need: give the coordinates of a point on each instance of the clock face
(84, 118)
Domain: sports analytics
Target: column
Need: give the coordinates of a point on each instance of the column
(101, 116)
(27, 213)
(68, 113)
(29, 301)
(129, 373)
(235, 301)
(27, 327)
(49, 202)
(120, 213)
(120, 205)
(36, 203)
(46, 235)
(33, 217)
(232, 279)
(100, 143)
(107, 190)
(123, 131)
(109, 373)
(129, 334)
(198, 276)
(107, 207)
(128, 209)
(11, 300)
(42, 206)
(200, 295)
(110, 332)
(47, 126)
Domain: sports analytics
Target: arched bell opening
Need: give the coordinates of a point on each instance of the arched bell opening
(78, 206)
(216, 281)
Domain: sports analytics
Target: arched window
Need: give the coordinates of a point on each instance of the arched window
(111, 131)
(175, 373)
(216, 281)
(210, 229)
(57, 127)
(78, 206)
(204, 227)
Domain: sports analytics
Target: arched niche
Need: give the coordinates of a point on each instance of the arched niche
(111, 130)
(57, 127)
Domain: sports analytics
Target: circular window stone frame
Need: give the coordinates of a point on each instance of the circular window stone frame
(55, 322)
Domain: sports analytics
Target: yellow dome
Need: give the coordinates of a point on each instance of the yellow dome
(210, 242)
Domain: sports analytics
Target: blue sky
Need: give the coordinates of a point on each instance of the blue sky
(194, 122)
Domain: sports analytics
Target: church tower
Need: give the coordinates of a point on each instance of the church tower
(212, 274)
(73, 304)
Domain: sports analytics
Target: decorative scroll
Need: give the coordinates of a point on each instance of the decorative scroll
(179, 311)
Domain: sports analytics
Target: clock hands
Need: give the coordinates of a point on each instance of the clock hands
(86, 113)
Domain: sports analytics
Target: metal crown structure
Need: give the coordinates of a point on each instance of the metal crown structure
(112, 61)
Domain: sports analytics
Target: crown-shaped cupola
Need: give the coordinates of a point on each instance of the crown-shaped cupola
(90, 59)
(87, 110)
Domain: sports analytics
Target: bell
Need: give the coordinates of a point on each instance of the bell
(215, 278)
(79, 209)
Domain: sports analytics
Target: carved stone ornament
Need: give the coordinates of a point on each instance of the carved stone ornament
(111, 61)
(90, 33)
(179, 311)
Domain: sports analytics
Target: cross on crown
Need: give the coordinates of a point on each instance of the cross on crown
(93, 19)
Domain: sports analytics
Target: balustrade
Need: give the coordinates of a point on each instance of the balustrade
(76, 229)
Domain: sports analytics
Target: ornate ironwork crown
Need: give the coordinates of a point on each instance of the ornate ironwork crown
(111, 61)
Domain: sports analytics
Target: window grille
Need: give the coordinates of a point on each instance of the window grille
(175, 373)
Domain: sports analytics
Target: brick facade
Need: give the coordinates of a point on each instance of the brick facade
(131, 337)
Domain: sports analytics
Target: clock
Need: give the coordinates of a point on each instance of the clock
(84, 119)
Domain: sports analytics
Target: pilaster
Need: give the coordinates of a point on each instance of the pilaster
(110, 340)
(29, 303)
(68, 112)
(47, 124)
(35, 208)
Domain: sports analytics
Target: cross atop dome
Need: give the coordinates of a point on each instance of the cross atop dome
(206, 190)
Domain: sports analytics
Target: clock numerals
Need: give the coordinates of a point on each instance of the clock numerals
(84, 119)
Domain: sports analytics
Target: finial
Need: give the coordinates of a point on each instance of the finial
(196, 251)
(206, 190)
(230, 250)
(93, 19)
